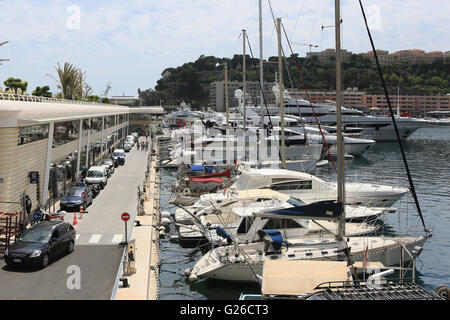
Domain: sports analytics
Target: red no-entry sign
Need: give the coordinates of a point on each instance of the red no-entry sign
(125, 216)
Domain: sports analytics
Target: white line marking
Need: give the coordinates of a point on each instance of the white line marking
(117, 238)
(95, 238)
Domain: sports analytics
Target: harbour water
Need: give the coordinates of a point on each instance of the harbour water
(428, 155)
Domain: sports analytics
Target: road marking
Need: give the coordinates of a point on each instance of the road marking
(95, 238)
(117, 238)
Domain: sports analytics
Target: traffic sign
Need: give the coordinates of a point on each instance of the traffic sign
(37, 216)
(125, 216)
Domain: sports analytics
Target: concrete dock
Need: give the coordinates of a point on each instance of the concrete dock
(143, 272)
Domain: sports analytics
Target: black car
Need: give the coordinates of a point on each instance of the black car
(41, 243)
(76, 198)
(115, 160)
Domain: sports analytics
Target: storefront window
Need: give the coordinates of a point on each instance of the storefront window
(32, 133)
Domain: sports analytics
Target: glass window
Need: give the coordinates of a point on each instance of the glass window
(39, 235)
(293, 185)
(32, 133)
(65, 132)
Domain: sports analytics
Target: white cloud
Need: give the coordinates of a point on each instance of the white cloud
(131, 42)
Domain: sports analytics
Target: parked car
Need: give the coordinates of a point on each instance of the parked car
(41, 243)
(127, 147)
(109, 164)
(75, 198)
(120, 154)
(97, 175)
(115, 160)
(130, 139)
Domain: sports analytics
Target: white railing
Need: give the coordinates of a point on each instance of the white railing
(31, 98)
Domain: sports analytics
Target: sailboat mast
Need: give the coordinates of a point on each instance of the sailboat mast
(340, 141)
(244, 85)
(228, 115)
(261, 71)
(281, 87)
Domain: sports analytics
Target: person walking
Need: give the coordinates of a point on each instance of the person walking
(142, 146)
(28, 205)
(137, 146)
(146, 146)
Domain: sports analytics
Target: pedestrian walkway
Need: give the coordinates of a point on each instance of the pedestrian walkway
(103, 218)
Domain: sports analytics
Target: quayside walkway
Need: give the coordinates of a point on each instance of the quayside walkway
(92, 270)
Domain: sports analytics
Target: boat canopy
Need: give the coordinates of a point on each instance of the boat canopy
(321, 210)
(196, 167)
(225, 173)
(222, 233)
(205, 180)
(274, 237)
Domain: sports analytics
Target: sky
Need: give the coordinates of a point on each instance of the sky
(130, 43)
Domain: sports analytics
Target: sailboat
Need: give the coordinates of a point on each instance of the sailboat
(244, 262)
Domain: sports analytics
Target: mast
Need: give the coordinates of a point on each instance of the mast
(228, 115)
(281, 87)
(243, 78)
(261, 71)
(340, 141)
(398, 101)
(244, 90)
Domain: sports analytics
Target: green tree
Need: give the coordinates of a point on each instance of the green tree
(42, 92)
(72, 82)
(16, 83)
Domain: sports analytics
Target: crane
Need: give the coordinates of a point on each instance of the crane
(307, 45)
(105, 93)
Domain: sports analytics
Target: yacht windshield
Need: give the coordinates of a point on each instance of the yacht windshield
(295, 202)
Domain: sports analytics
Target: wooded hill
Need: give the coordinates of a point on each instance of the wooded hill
(190, 82)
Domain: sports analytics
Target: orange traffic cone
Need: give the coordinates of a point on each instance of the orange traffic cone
(75, 222)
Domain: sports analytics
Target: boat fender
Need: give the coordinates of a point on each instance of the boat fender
(187, 272)
(165, 214)
(193, 277)
(165, 221)
(442, 291)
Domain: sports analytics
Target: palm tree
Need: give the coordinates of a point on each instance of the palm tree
(72, 81)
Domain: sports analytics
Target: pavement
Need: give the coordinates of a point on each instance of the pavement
(90, 271)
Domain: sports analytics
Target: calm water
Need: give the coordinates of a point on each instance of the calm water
(428, 155)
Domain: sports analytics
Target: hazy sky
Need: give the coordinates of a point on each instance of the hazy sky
(129, 43)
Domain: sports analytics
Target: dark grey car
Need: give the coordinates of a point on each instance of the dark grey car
(41, 243)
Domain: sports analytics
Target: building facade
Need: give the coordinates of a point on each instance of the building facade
(41, 137)
(416, 105)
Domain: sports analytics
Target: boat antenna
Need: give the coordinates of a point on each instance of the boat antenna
(411, 183)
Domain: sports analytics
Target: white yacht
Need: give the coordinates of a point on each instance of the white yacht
(380, 128)
(244, 263)
(309, 188)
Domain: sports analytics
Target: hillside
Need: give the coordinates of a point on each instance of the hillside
(190, 82)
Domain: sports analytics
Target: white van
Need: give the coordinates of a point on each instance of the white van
(130, 140)
(97, 175)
